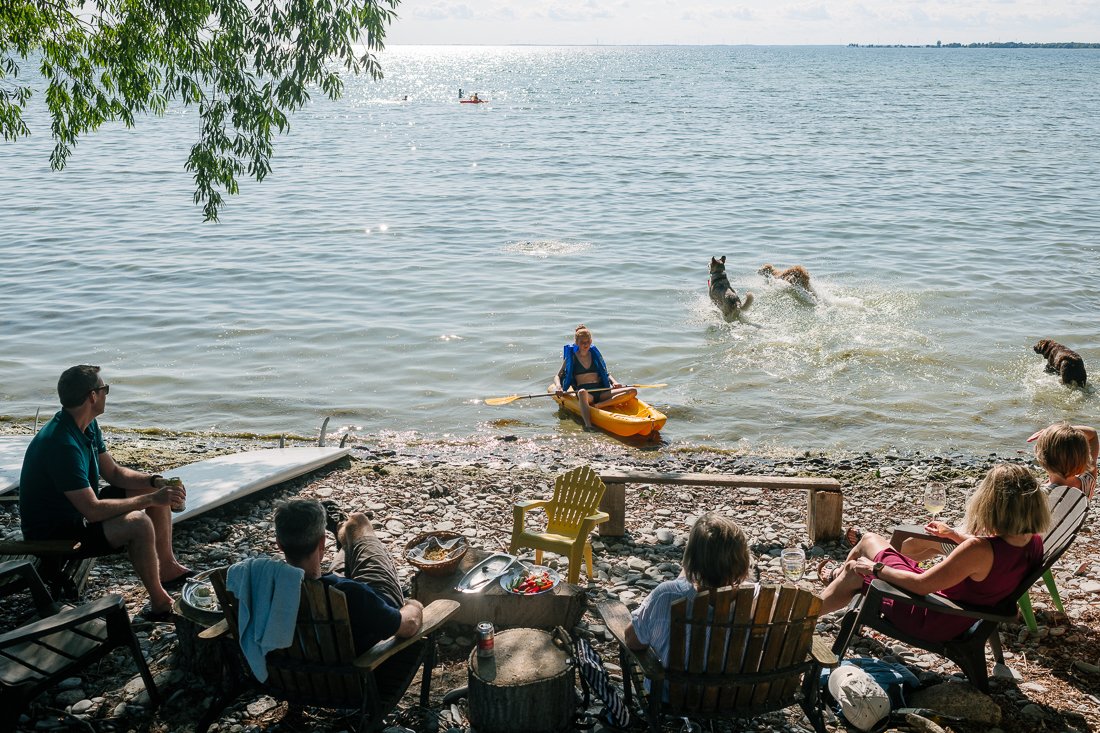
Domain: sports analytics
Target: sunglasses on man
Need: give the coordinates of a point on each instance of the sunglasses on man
(105, 389)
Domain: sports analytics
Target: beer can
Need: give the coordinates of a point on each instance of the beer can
(485, 636)
(181, 504)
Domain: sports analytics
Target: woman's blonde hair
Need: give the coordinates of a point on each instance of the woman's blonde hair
(1008, 501)
(580, 331)
(1063, 449)
(717, 552)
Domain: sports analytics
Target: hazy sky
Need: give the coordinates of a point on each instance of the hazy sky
(743, 21)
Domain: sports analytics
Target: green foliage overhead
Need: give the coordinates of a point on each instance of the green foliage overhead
(245, 64)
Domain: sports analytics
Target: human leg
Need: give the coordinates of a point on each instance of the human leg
(617, 396)
(168, 566)
(584, 399)
(848, 582)
(135, 532)
(366, 558)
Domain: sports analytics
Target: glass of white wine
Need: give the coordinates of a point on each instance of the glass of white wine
(793, 561)
(935, 498)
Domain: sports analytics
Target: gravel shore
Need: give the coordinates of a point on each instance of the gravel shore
(410, 487)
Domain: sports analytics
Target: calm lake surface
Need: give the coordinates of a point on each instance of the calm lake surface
(405, 260)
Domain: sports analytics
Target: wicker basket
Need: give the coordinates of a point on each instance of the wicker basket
(443, 567)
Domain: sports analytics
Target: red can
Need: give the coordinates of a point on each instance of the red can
(485, 634)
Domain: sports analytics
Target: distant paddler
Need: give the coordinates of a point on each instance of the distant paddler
(583, 368)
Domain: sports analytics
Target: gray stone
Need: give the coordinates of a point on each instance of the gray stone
(69, 683)
(82, 706)
(665, 536)
(1033, 712)
(960, 700)
(1004, 672)
(66, 698)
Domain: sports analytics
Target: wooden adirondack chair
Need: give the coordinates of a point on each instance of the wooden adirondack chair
(733, 653)
(320, 668)
(573, 512)
(1068, 508)
(58, 562)
(38, 655)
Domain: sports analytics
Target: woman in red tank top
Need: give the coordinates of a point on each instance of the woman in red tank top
(1000, 546)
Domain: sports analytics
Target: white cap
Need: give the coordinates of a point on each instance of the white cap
(862, 700)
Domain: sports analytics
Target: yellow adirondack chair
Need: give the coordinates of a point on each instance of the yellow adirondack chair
(573, 512)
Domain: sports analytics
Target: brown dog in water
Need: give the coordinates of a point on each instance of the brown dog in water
(1062, 361)
(797, 275)
(723, 294)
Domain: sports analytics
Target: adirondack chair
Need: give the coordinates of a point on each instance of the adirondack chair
(1068, 508)
(320, 668)
(58, 562)
(733, 653)
(64, 640)
(573, 512)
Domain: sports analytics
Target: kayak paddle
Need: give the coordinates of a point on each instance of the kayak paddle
(512, 398)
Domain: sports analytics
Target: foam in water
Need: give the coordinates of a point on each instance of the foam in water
(544, 248)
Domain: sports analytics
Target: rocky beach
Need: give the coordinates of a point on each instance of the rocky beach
(469, 487)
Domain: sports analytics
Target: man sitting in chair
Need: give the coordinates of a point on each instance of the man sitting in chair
(376, 606)
(60, 497)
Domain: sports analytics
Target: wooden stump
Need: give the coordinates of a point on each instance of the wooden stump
(194, 655)
(527, 685)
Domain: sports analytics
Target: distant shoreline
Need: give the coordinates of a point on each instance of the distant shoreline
(991, 44)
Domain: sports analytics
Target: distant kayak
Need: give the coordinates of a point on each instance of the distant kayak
(473, 101)
(632, 417)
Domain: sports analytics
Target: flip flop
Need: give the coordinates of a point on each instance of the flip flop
(178, 582)
(148, 615)
(828, 570)
(852, 536)
(334, 517)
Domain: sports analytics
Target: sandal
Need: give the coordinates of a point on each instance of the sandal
(148, 615)
(179, 581)
(828, 570)
(852, 536)
(334, 517)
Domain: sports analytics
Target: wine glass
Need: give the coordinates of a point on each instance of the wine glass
(793, 562)
(935, 498)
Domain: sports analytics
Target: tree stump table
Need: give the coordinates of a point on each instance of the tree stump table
(527, 685)
(562, 606)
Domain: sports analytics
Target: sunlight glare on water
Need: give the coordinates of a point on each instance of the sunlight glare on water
(408, 258)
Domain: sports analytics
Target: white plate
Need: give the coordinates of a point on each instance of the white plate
(516, 575)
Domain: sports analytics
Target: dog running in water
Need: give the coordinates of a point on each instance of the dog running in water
(723, 294)
(797, 275)
(1062, 361)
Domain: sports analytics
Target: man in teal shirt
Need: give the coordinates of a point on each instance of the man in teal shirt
(60, 496)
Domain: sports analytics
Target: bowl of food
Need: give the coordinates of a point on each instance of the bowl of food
(198, 596)
(436, 553)
(530, 580)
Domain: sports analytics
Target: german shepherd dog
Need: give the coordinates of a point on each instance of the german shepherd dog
(1064, 362)
(723, 294)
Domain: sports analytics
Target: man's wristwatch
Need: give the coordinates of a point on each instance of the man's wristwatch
(153, 480)
(877, 568)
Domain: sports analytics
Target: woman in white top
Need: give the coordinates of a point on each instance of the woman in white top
(716, 555)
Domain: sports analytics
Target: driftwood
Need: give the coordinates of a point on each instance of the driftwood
(824, 505)
(526, 685)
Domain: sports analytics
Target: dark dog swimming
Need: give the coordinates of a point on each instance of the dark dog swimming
(722, 293)
(1063, 361)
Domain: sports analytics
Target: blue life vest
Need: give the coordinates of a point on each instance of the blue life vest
(597, 361)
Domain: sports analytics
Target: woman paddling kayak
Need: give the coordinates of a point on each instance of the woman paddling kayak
(582, 369)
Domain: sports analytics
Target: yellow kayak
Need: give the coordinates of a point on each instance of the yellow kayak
(632, 417)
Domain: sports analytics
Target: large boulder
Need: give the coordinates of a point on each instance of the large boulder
(959, 700)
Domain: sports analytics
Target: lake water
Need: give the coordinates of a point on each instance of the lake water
(405, 260)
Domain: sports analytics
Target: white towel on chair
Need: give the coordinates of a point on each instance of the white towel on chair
(268, 592)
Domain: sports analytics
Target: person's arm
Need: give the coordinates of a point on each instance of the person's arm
(95, 509)
(558, 377)
(1094, 444)
(973, 557)
(632, 640)
(412, 618)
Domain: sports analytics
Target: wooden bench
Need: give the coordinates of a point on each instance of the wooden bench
(824, 505)
(60, 567)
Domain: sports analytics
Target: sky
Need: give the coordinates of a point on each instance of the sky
(735, 22)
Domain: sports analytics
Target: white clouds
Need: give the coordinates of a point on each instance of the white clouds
(744, 21)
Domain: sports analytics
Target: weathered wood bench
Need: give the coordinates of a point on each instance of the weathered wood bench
(57, 563)
(823, 512)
